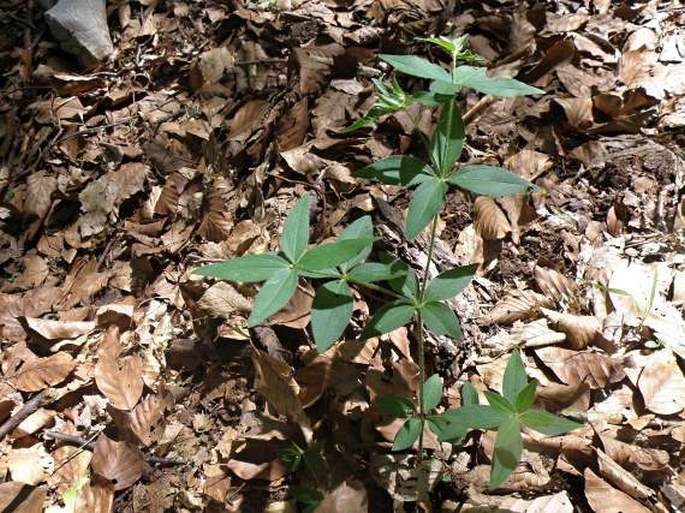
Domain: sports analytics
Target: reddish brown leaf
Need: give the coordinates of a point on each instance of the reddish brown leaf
(119, 462)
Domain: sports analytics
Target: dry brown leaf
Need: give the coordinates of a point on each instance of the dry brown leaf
(621, 478)
(217, 219)
(120, 379)
(147, 420)
(648, 461)
(31, 465)
(257, 459)
(35, 272)
(296, 313)
(22, 497)
(580, 330)
(39, 189)
(167, 203)
(57, 330)
(518, 305)
(35, 374)
(95, 498)
(578, 111)
(662, 383)
(555, 285)
(604, 498)
(71, 465)
(120, 463)
(534, 334)
(222, 300)
(247, 119)
(274, 380)
(491, 222)
(573, 368)
(349, 497)
(293, 126)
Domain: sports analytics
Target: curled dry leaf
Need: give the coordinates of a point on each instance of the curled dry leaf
(648, 461)
(217, 219)
(578, 111)
(96, 498)
(146, 422)
(121, 463)
(535, 334)
(491, 222)
(56, 330)
(35, 374)
(597, 491)
(573, 368)
(555, 285)
(120, 379)
(518, 305)
(71, 465)
(621, 478)
(580, 330)
(662, 384)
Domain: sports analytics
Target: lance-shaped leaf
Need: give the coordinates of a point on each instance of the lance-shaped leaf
(446, 145)
(547, 423)
(369, 272)
(432, 392)
(296, 230)
(499, 403)
(362, 228)
(405, 282)
(407, 435)
(450, 283)
(515, 378)
(395, 406)
(469, 395)
(490, 181)
(273, 295)
(441, 320)
(388, 318)
(415, 66)
(245, 269)
(426, 202)
(508, 449)
(397, 170)
(456, 422)
(476, 78)
(331, 312)
(333, 254)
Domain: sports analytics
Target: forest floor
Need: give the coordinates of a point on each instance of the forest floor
(130, 384)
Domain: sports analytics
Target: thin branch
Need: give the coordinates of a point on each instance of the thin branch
(29, 407)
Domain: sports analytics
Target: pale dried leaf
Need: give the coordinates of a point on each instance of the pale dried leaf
(36, 374)
(96, 498)
(662, 383)
(578, 111)
(247, 119)
(573, 368)
(222, 300)
(555, 285)
(119, 462)
(621, 478)
(491, 223)
(597, 491)
(349, 497)
(39, 189)
(580, 330)
(51, 329)
(71, 465)
(31, 465)
(518, 305)
(120, 379)
(529, 164)
(535, 334)
(22, 497)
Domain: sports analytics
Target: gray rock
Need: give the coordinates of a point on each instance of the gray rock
(81, 27)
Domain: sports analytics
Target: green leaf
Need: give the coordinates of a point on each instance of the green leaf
(331, 313)
(547, 423)
(448, 139)
(362, 228)
(415, 66)
(369, 272)
(450, 283)
(515, 378)
(395, 406)
(526, 397)
(333, 254)
(296, 230)
(441, 320)
(432, 392)
(426, 202)
(476, 78)
(469, 395)
(456, 422)
(407, 435)
(388, 318)
(406, 282)
(508, 449)
(445, 431)
(397, 170)
(453, 46)
(430, 99)
(273, 295)
(490, 181)
(499, 403)
(245, 269)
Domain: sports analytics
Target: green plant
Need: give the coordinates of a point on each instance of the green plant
(412, 298)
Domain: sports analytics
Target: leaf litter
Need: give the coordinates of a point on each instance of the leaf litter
(192, 144)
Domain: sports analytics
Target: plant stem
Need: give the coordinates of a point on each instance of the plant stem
(420, 338)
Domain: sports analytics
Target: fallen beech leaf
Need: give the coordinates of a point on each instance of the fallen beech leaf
(517, 305)
(578, 111)
(555, 285)
(573, 368)
(56, 330)
(71, 465)
(146, 421)
(217, 221)
(580, 330)
(36, 374)
(491, 223)
(535, 334)
(96, 498)
(22, 497)
(119, 462)
(120, 379)
(31, 465)
(222, 300)
(349, 497)
(662, 383)
(258, 459)
(621, 478)
(604, 498)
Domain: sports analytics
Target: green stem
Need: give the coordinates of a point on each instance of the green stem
(420, 337)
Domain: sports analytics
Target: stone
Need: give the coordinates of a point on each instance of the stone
(81, 27)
